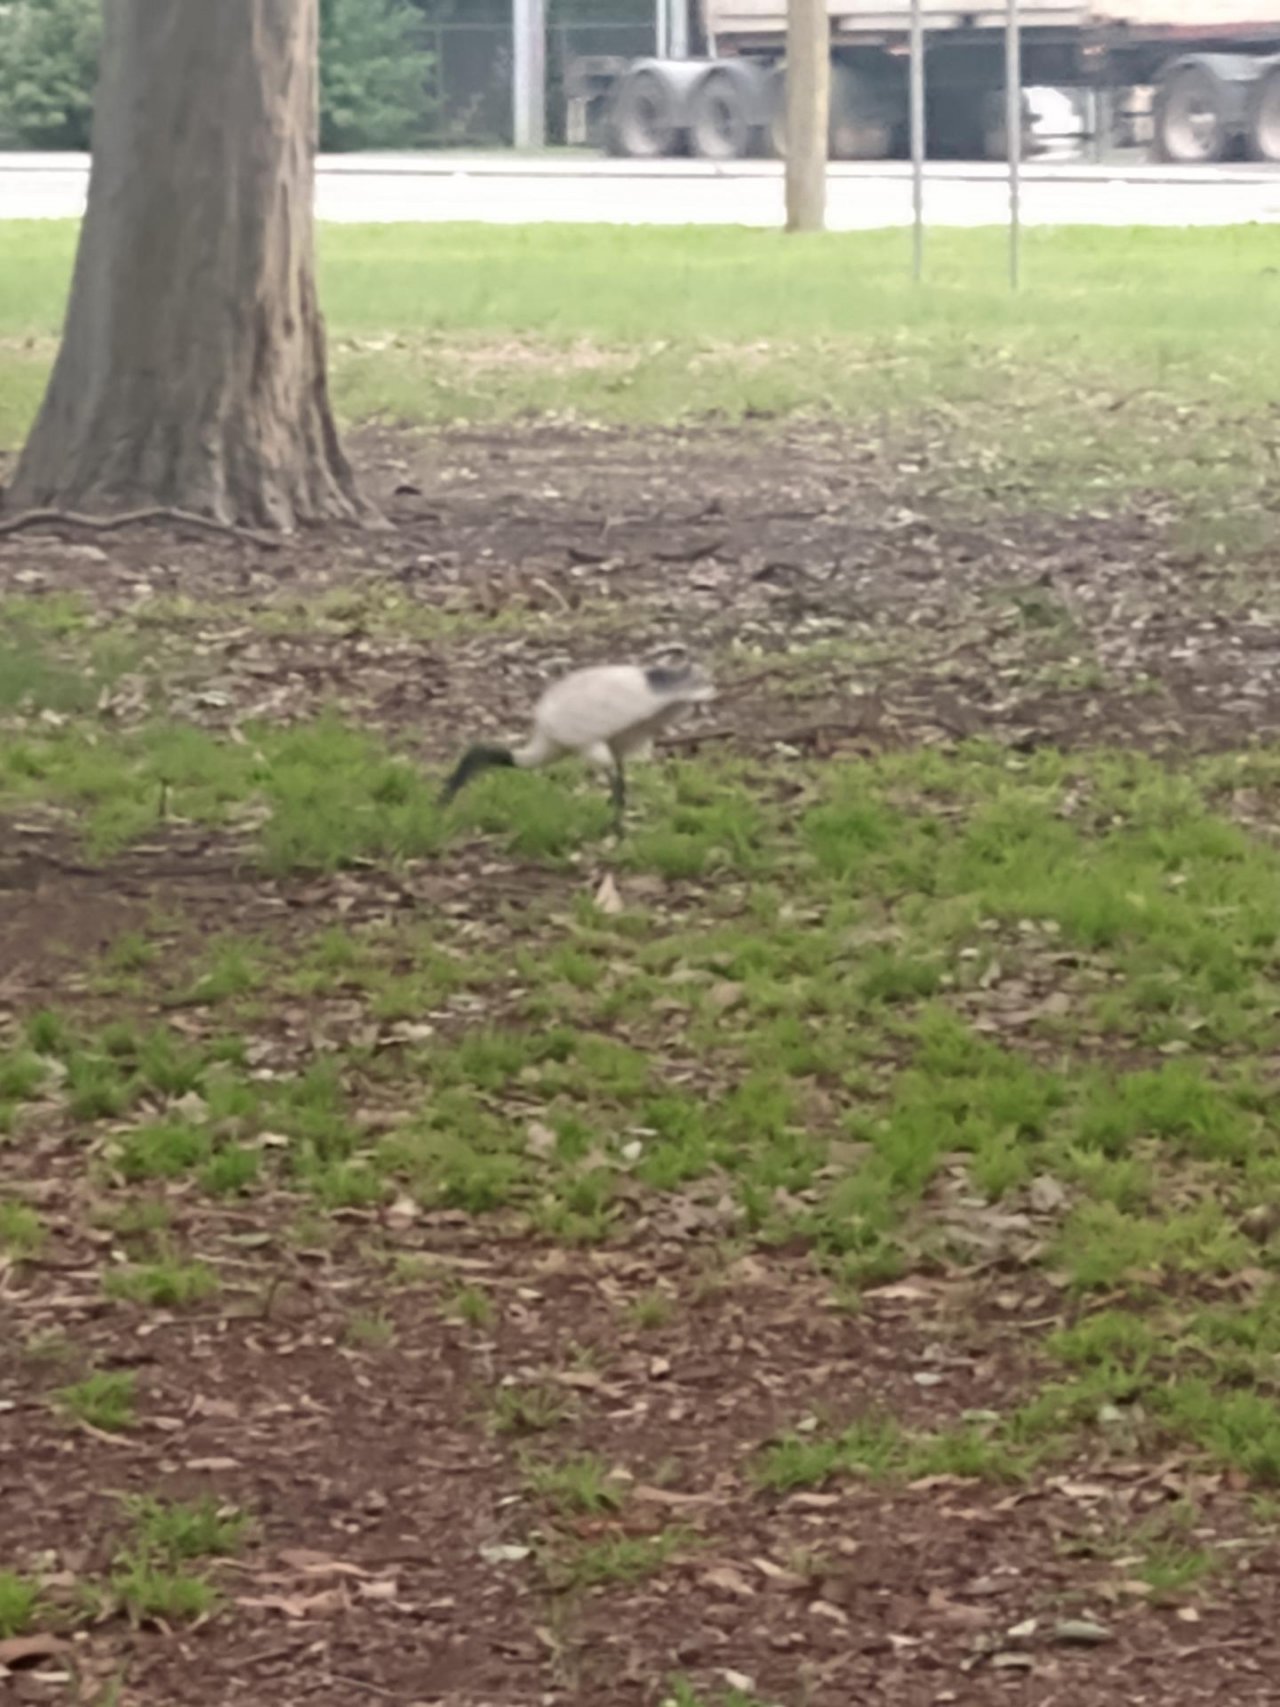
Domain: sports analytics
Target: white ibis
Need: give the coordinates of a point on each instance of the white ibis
(606, 714)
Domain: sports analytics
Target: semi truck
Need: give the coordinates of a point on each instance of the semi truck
(1196, 81)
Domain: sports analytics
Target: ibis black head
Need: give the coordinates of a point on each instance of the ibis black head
(479, 758)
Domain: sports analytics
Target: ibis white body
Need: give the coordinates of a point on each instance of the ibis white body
(609, 713)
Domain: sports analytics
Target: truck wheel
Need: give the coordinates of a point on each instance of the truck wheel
(724, 115)
(1264, 117)
(644, 122)
(1190, 118)
(863, 115)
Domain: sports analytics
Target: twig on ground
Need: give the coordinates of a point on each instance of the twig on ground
(552, 592)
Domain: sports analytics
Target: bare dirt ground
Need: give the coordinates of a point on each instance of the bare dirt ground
(397, 1553)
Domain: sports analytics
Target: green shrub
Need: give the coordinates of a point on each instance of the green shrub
(374, 75)
(48, 63)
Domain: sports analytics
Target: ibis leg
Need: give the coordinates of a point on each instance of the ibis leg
(618, 794)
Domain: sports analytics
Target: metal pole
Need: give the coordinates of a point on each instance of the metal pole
(662, 29)
(1013, 134)
(917, 139)
(1104, 116)
(529, 72)
(678, 41)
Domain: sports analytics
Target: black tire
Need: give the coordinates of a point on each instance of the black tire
(644, 119)
(722, 118)
(1190, 117)
(1263, 133)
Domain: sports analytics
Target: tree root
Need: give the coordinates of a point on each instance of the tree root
(157, 513)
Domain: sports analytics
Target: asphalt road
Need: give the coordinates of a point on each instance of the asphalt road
(508, 189)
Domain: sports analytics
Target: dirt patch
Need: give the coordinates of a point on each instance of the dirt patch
(398, 1547)
(515, 554)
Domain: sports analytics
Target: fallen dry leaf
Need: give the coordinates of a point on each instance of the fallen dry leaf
(314, 1564)
(402, 1211)
(25, 1650)
(607, 897)
(729, 1579)
(780, 1576)
(668, 1496)
(296, 1606)
(539, 1140)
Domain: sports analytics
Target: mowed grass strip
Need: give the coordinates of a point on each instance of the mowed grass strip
(1128, 362)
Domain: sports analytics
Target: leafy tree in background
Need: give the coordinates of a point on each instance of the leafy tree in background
(374, 75)
(48, 62)
(374, 83)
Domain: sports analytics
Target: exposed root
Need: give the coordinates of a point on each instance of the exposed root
(128, 518)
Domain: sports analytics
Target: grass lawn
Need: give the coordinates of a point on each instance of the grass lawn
(1127, 360)
(821, 1246)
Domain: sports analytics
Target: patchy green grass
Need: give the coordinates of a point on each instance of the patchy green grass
(151, 1579)
(167, 1283)
(22, 1074)
(105, 1399)
(534, 1408)
(370, 1330)
(581, 1484)
(472, 1306)
(650, 1311)
(878, 1449)
(1172, 1569)
(19, 1604)
(22, 1232)
(150, 1592)
(682, 1693)
(50, 661)
(572, 1564)
(174, 1529)
(808, 1046)
(332, 794)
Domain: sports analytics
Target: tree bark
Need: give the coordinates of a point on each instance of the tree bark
(192, 367)
(808, 98)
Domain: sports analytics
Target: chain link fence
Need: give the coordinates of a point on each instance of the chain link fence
(472, 74)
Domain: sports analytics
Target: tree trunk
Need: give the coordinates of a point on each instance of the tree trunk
(192, 365)
(808, 98)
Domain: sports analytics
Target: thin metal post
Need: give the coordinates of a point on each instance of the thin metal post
(1104, 119)
(1013, 135)
(529, 72)
(917, 139)
(662, 29)
(678, 35)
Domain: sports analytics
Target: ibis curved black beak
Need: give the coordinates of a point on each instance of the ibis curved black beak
(479, 758)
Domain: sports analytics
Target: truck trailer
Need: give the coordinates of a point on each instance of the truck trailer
(1201, 79)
